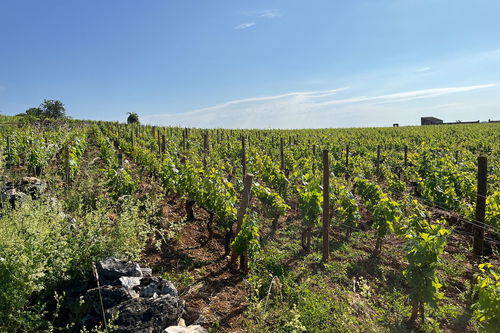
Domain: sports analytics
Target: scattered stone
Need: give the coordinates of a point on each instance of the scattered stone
(182, 329)
(33, 186)
(157, 285)
(112, 269)
(111, 296)
(17, 192)
(175, 329)
(147, 272)
(137, 304)
(148, 291)
(130, 282)
(14, 197)
(147, 315)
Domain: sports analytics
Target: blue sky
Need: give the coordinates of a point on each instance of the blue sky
(278, 64)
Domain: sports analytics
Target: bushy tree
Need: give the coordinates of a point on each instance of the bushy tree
(50, 108)
(34, 112)
(132, 118)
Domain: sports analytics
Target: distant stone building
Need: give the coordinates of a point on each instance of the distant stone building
(430, 121)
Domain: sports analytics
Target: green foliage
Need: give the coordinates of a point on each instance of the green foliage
(396, 187)
(386, 216)
(487, 307)
(269, 172)
(218, 195)
(369, 192)
(492, 214)
(310, 200)
(49, 108)
(444, 182)
(106, 150)
(347, 209)
(133, 118)
(423, 252)
(76, 143)
(120, 182)
(247, 240)
(34, 112)
(40, 246)
(274, 205)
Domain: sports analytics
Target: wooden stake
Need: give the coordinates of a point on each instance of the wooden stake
(482, 165)
(120, 160)
(313, 160)
(406, 156)
(378, 156)
(326, 207)
(282, 154)
(245, 200)
(243, 156)
(163, 144)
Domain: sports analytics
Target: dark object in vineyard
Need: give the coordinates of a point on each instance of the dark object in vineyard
(430, 121)
(482, 175)
(112, 269)
(17, 192)
(189, 210)
(326, 207)
(133, 118)
(32, 186)
(133, 302)
(50, 108)
(245, 201)
(13, 197)
(416, 189)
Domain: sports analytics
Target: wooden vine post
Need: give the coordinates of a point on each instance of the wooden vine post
(120, 160)
(378, 158)
(243, 156)
(163, 144)
(347, 159)
(245, 201)
(482, 165)
(313, 159)
(326, 207)
(282, 154)
(406, 156)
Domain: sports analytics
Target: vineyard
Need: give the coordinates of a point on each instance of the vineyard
(325, 230)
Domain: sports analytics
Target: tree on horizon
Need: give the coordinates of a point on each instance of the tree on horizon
(49, 108)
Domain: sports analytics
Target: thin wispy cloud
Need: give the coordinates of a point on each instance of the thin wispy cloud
(408, 95)
(244, 26)
(266, 13)
(313, 109)
(423, 69)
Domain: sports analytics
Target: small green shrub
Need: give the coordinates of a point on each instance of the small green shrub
(487, 307)
(40, 247)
